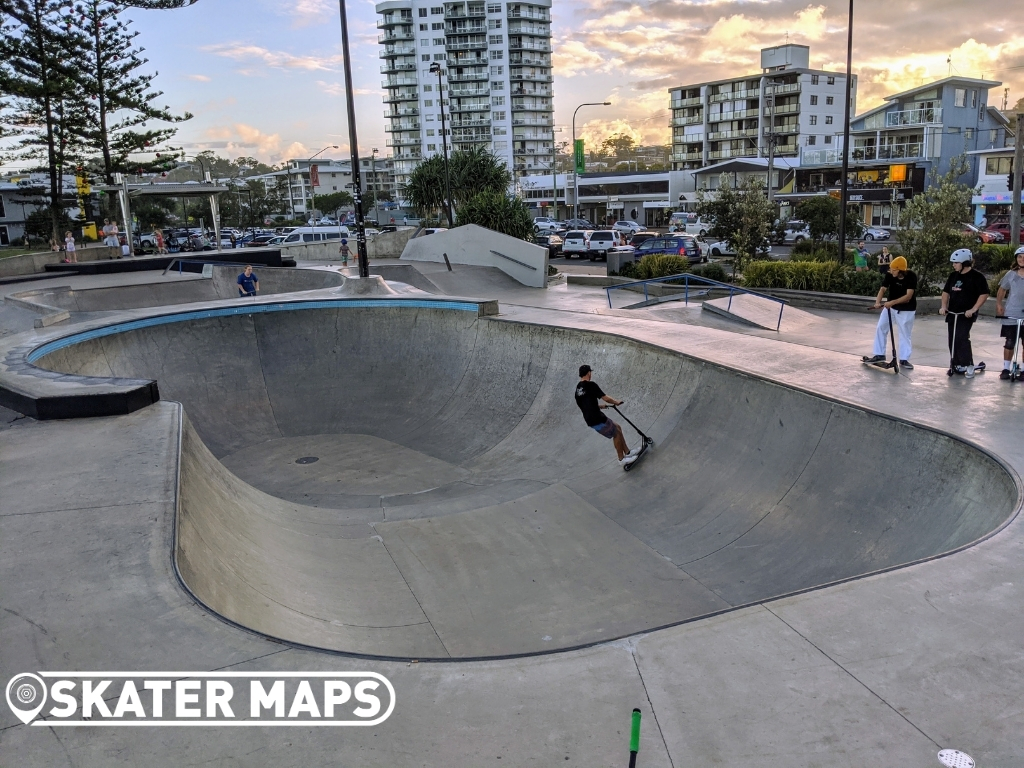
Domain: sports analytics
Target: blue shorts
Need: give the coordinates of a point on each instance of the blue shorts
(607, 429)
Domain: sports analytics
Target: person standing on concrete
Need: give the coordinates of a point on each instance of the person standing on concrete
(860, 257)
(901, 284)
(248, 283)
(964, 294)
(108, 232)
(70, 253)
(1010, 303)
(884, 259)
(589, 397)
(344, 251)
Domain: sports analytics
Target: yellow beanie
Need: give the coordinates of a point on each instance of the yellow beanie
(899, 264)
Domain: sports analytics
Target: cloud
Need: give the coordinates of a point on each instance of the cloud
(247, 53)
(338, 89)
(306, 12)
(239, 139)
(198, 78)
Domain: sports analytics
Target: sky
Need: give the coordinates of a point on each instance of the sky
(264, 78)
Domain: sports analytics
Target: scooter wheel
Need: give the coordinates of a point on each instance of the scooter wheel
(949, 372)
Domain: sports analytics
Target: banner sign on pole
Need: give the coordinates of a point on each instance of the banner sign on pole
(581, 163)
(314, 176)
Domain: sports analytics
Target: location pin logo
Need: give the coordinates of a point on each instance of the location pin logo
(26, 695)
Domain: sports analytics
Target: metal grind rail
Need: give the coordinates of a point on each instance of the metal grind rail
(687, 278)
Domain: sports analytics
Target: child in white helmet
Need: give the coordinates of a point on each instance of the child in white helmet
(965, 292)
(1010, 303)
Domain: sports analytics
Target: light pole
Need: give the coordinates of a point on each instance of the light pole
(575, 171)
(376, 189)
(353, 140)
(312, 189)
(843, 182)
(436, 68)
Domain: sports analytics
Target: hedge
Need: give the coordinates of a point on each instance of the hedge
(820, 276)
(655, 265)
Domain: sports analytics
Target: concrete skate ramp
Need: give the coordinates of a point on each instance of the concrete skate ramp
(417, 482)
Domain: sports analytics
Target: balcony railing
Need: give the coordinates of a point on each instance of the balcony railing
(722, 154)
(685, 157)
(522, 28)
(395, 35)
(913, 117)
(395, 82)
(464, 28)
(693, 101)
(397, 127)
(403, 112)
(522, 106)
(888, 151)
(749, 93)
(393, 98)
(475, 106)
(469, 77)
(536, 13)
(783, 109)
(529, 78)
(398, 141)
(388, 22)
(460, 93)
(394, 67)
(780, 89)
(783, 130)
(472, 123)
(687, 138)
(531, 121)
(810, 156)
(520, 59)
(737, 115)
(472, 13)
(687, 120)
(742, 134)
(398, 50)
(536, 91)
(786, 149)
(468, 45)
(529, 45)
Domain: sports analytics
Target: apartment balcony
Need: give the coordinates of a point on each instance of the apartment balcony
(395, 82)
(393, 67)
(529, 45)
(398, 141)
(520, 106)
(741, 114)
(394, 98)
(389, 22)
(465, 140)
(471, 13)
(475, 122)
(468, 45)
(749, 93)
(725, 154)
(913, 117)
(742, 134)
(686, 157)
(529, 77)
(531, 152)
(402, 112)
(469, 77)
(408, 154)
(398, 50)
(786, 149)
(465, 28)
(474, 106)
(539, 14)
(541, 136)
(536, 30)
(784, 109)
(688, 138)
(462, 93)
(536, 91)
(395, 35)
(687, 120)
(815, 156)
(693, 101)
(403, 125)
(526, 59)
(778, 90)
(531, 121)
(783, 130)
(888, 151)
(471, 134)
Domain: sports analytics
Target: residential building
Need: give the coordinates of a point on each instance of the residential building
(993, 200)
(376, 174)
(787, 103)
(495, 85)
(895, 146)
(21, 194)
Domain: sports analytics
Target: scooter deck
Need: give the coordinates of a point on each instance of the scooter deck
(888, 366)
(648, 442)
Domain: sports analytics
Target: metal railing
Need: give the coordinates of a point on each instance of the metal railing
(913, 117)
(686, 277)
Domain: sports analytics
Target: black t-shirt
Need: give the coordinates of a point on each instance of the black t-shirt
(965, 290)
(898, 287)
(587, 393)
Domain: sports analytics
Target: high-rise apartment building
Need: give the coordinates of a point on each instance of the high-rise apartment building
(495, 57)
(788, 103)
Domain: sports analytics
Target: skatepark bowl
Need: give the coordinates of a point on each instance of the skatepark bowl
(408, 479)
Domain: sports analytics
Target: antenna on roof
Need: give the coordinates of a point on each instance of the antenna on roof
(787, 37)
(1006, 99)
(949, 62)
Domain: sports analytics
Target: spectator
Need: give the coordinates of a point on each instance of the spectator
(70, 254)
(884, 259)
(108, 231)
(344, 251)
(248, 283)
(161, 246)
(860, 257)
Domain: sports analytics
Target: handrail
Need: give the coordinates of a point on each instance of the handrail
(517, 261)
(686, 277)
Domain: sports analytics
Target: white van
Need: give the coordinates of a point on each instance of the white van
(314, 235)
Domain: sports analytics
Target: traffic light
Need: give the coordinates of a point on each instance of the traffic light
(1009, 180)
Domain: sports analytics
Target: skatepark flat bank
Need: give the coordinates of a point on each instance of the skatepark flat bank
(457, 506)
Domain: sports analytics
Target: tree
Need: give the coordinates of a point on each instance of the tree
(500, 211)
(620, 145)
(37, 51)
(822, 216)
(335, 200)
(741, 217)
(115, 98)
(932, 223)
(471, 171)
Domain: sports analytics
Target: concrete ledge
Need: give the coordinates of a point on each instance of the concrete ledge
(50, 315)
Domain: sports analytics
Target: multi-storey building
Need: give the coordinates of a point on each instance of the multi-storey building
(376, 173)
(495, 59)
(788, 103)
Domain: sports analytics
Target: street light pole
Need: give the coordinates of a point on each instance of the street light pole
(312, 189)
(353, 140)
(435, 67)
(844, 182)
(575, 171)
(376, 189)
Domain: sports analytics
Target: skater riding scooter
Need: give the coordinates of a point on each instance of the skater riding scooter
(1010, 308)
(963, 295)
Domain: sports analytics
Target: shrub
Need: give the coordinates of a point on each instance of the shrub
(826, 276)
(818, 254)
(864, 283)
(628, 269)
(660, 265)
(993, 258)
(711, 272)
(805, 247)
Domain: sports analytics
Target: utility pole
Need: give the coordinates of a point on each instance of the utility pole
(771, 141)
(357, 184)
(844, 181)
(1018, 172)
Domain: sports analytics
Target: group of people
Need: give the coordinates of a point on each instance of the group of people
(861, 255)
(965, 292)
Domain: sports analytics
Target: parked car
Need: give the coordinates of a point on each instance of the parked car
(260, 240)
(628, 227)
(576, 243)
(641, 237)
(876, 233)
(603, 241)
(721, 248)
(545, 224)
(579, 224)
(796, 232)
(552, 242)
(1003, 228)
(983, 235)
(672, 245)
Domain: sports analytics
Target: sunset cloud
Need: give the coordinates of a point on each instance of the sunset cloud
(249, 54)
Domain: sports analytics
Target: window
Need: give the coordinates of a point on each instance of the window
(830, 100)
(998, 166)
(497, 54)
(830, 81)
(968, 133)
(498, 116)
(814, 79)
(814, 100)
(498, 85)
(828, 119)
(423, 12)
(425, 57)
(3, 214)
(498, 101)
(960, 97)
(499, 131)
(435, 11)
(428, 88)
(423, 27)
(425, 42)
(494, 23)
(993, 136)
(431, 147)
(428, 118)
(498, 70)
(974, 99)
(495, 39)
(437, 25)
(812, 140)
(813, 119)
(430, 131)
(428, 102)
(440, 56)
(500, 145)
(828, 139)
(494, 7)
(954, 130)
(438, 41)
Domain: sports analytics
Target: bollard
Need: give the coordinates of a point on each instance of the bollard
(634, 739)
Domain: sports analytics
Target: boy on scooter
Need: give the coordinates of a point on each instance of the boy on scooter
(965, 292)
(1012, 310)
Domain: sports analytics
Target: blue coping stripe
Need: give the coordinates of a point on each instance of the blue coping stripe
(203, 314)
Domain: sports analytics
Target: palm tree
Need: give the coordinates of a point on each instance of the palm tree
(472, 171)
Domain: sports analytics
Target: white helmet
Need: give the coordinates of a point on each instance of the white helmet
(1019, 251)
(960, 255)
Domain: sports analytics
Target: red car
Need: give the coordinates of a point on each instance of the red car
(984, 235)
(1003, 228)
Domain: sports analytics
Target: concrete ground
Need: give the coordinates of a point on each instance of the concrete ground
(886, 669)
